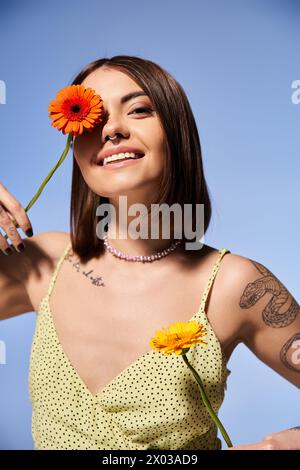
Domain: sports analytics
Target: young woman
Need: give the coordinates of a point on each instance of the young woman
(94, 381)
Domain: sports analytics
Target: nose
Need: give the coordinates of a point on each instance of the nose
(114, 126)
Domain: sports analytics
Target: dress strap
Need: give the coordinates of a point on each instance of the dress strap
(55, 272)
(214, 271)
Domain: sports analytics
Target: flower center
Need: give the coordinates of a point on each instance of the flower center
(75, 108)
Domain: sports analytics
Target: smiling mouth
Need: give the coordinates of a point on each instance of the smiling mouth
(137, 156)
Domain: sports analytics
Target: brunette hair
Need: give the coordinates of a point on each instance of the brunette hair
(183, 178)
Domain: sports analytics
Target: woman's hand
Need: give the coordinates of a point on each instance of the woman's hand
(12, 216)
(288, 439)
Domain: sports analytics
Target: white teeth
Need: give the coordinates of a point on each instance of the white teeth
(119, 156)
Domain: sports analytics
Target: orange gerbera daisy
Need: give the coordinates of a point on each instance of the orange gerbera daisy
(180, 337)
(76, 109)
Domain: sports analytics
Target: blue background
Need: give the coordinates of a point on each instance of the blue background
(236, 61)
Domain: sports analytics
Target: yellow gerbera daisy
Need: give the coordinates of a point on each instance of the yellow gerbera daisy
(180, 337)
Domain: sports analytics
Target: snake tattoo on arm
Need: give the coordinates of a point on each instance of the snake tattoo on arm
(278, 312)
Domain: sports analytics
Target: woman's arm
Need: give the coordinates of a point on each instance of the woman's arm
(289, 439)
(24, 274)
(24, 277)
(270, 319)
(14, 299)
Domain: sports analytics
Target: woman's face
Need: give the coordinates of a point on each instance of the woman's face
(134, 127)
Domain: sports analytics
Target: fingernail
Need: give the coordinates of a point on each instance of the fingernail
(8, 251)
(21, 247)
(29, 232)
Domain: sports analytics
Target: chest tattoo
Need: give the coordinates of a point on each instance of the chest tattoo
(94, 278)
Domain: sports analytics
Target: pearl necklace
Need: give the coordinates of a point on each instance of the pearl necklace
(158, 255)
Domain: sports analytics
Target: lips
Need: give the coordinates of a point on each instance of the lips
(116, 150)
(138, 155)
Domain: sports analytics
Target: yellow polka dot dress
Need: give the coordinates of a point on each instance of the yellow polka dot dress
(154, 403)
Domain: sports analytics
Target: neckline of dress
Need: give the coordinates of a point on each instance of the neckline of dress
(200, 312)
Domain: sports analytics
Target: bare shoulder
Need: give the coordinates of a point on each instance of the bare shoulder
(39, 259)
(240, 281)
(239, 273)
(258, 295)
(223, 309)
(237, 270)
(49, 243)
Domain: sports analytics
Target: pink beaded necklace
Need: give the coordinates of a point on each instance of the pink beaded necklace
(154, 257)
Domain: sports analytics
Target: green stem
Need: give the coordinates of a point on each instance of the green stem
(207, 402)
(63, 156)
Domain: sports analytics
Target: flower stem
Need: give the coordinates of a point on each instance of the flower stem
(63, 156)
(207, 402)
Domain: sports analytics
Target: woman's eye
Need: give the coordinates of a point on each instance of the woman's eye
(144, 109)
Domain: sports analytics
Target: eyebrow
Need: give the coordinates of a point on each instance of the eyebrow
(132, 95)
